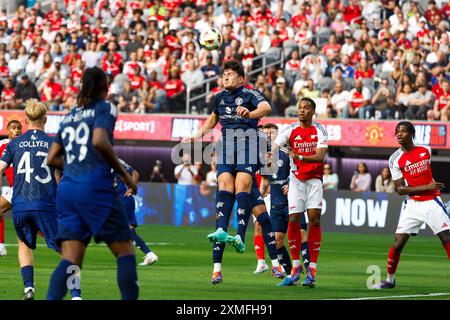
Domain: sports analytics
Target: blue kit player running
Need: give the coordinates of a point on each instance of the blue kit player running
(33, 199)
(126, 196)
(238, 109)
(87, 204)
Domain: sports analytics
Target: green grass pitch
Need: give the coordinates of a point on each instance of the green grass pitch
(185, 265)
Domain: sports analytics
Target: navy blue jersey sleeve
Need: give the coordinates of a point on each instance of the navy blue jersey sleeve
(7, 154)
(105, 116)
(257, 98)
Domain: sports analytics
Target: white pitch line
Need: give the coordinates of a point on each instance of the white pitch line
(104, 245)
(384, 253)
(401, 296)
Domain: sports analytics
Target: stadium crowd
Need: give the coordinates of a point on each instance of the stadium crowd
(365, 59)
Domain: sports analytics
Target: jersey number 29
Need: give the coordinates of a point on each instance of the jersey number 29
(80, 136)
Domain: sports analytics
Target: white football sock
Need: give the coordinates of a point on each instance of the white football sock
(217, 267)
(296, 263)
(390, 278)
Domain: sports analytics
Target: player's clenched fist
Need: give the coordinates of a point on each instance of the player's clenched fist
(242, 112)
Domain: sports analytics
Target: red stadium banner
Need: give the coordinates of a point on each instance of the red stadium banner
(355, 133)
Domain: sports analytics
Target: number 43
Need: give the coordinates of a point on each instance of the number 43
(25, 167)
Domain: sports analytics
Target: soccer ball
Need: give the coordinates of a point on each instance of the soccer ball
(211, 39)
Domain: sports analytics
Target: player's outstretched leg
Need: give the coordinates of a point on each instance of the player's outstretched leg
(445, 239)
(314, 242)
(392, 263)
(294, 241)
(3, 251)
(259, 250)
(150, 256)
(269, 240)
(243, 211)
(224, 206)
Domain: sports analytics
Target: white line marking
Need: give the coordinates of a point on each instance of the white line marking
(401, 296)
(384, 253)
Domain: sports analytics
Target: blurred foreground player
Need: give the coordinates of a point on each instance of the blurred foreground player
(127, 198)
(14, 128)
(87, 203)
(410, 168)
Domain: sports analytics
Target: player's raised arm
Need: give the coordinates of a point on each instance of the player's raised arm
(209, 124)
(263, 109)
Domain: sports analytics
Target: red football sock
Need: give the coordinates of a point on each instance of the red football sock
(393, 259)
(294, 240)
(447, 248)
(259, 246)
(2, 230)
(314, 240)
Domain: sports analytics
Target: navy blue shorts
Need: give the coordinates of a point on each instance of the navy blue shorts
(256, 197)
(28, 223)
(233, 169)
(86, 213)
(130, 207)
(238, 157)
(279, 219)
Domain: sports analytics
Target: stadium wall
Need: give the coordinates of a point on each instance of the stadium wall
(344, 211)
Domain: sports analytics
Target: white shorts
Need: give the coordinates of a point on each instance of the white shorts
(267, 203)
(7, 193)
(415, 213)
(304, 195)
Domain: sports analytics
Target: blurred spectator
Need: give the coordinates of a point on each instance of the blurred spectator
(281, 97)
(384, 182)
(25, 89)
(157, 174)
(301, 82)
(441, 109)
(419, 105)
(340, 100)
(362, 179)
(248, 51)
(210, 70)
(92, 56)
(51, 92)
(186, 172)
(402, 100)
(308, 91)
(359, 102)
(175, 90)
(69, 95)
(347, 70)
(7, 95)
(383, 101)
(263, 86)
(127, 99)
(364, 71)
(330, 179)
(211, 176)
